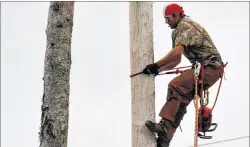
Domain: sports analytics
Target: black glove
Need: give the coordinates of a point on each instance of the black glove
(151, 69)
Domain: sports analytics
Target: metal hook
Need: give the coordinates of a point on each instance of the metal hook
(197, 69)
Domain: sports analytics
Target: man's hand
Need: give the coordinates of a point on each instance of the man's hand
(151, 69)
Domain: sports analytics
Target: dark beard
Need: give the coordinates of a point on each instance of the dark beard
(174, 26)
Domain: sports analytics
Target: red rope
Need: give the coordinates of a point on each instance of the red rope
(176, 71)
(202, 82)
(182, 67)
(222, 69)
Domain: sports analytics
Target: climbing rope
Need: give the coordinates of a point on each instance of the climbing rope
(196, 104)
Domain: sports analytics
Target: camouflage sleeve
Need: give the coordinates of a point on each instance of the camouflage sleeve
(188, 37)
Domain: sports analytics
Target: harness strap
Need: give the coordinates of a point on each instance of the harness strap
(202, 82)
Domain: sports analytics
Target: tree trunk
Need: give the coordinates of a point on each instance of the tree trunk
(57, 64)
(142, 86)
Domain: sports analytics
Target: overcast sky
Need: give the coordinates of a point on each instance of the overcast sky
(100, 98)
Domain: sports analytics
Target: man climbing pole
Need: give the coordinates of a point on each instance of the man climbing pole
(192, 40)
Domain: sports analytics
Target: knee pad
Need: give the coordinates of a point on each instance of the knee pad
(173, 93)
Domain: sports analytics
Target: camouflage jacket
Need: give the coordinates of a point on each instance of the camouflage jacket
(198, 45)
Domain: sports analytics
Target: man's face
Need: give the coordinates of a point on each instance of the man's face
(171, 21)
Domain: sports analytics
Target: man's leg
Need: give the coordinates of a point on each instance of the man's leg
(178, 116)
(167, 128)
(174, 109)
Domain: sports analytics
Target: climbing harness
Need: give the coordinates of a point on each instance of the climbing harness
(203, 119)
(203, 114)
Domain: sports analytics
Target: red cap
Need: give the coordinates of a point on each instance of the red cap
(172, 9)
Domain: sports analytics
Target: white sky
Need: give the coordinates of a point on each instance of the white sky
(100, 85)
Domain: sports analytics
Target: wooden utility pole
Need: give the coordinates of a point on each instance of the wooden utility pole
(142, 86)
(57, 64)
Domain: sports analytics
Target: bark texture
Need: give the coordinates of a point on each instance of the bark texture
(57, 64)
(142, 86)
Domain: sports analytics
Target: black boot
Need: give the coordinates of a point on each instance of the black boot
(154, 127)
(161, 129)
(162, 141)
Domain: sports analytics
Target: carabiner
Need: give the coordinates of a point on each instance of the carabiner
(197, 69)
